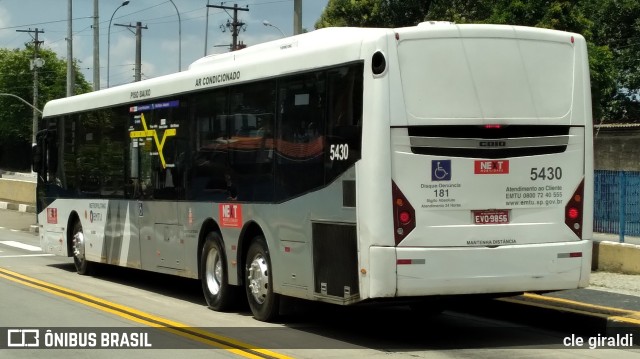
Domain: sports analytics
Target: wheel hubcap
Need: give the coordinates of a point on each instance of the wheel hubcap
(78, 246)
(259, 279)
(213, 271)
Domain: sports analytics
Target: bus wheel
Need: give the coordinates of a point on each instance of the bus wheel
(264, 303)
(213, 273)
(79, 256)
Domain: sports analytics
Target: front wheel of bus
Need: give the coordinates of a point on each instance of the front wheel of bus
(264, 303)
(79, 255)
(213, 273)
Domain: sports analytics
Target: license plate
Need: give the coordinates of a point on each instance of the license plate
(491, 216)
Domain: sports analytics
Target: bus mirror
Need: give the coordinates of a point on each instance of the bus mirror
(36, 158)
(52, 156)
(38, 152)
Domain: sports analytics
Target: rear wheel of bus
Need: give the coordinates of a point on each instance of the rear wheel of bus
(264, 303)
(213, 274)
(83, 266)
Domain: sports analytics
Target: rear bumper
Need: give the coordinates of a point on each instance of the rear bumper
(482, 270)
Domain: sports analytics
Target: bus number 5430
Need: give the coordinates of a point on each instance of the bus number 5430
(339, 152)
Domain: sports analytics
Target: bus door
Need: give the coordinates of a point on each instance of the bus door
(157, 187)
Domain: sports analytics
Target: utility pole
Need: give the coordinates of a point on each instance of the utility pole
(297, 17)
(71, 83)
(232, 25)
(138, 33)
(96, 47)
(206, 31)
(37, 63)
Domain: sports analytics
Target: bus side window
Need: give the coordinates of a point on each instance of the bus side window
(253, 105)
(210, 170)
(300, 141)
(344, 133)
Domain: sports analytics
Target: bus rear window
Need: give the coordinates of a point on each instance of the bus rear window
(486, 78)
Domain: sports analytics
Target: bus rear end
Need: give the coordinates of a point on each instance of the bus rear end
(491, 161)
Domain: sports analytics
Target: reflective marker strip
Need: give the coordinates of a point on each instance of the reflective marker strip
(570, 255)
(410, 261)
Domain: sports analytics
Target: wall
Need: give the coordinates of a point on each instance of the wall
(17, 191)
(617, 147)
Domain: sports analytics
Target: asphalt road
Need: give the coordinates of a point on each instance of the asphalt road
(19, 221)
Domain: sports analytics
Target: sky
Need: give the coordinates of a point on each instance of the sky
(168, 45)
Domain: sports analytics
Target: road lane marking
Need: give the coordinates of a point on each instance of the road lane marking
(28, 255)
(15, 230)
(183, 330)
(602, 308)
(20, 245)
(625, 316)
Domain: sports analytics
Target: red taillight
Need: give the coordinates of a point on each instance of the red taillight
(573, 211)
(403, 214)
(405, 217)
(492, 126)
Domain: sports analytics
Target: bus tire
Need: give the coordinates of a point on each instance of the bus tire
(214, 276)
(258, 282)
(83, 266)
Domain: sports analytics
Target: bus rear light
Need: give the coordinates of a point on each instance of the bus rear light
(573, 211)
(405, 217)
(403, 214)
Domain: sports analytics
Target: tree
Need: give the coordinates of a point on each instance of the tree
(16, 78)
(611, 28)
(618, 29)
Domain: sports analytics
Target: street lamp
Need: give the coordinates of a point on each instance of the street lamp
(267, 23)
(125, 3)
(179, 37)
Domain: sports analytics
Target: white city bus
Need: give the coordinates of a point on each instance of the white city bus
(342, 165)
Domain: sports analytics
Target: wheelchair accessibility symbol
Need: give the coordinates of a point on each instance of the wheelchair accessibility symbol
(441, 170)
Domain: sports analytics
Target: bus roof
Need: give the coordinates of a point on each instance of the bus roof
(315, 49)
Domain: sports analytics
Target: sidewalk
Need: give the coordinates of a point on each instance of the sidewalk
(608, 237)
(23, 176)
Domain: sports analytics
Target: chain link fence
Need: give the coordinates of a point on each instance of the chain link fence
(617, 203)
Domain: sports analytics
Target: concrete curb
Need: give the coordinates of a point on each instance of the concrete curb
(18, 207)
(616, 257)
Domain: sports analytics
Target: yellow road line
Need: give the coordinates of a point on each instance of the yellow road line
(550, 306)
(615, 314)
(581, 304)
(222, 342)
